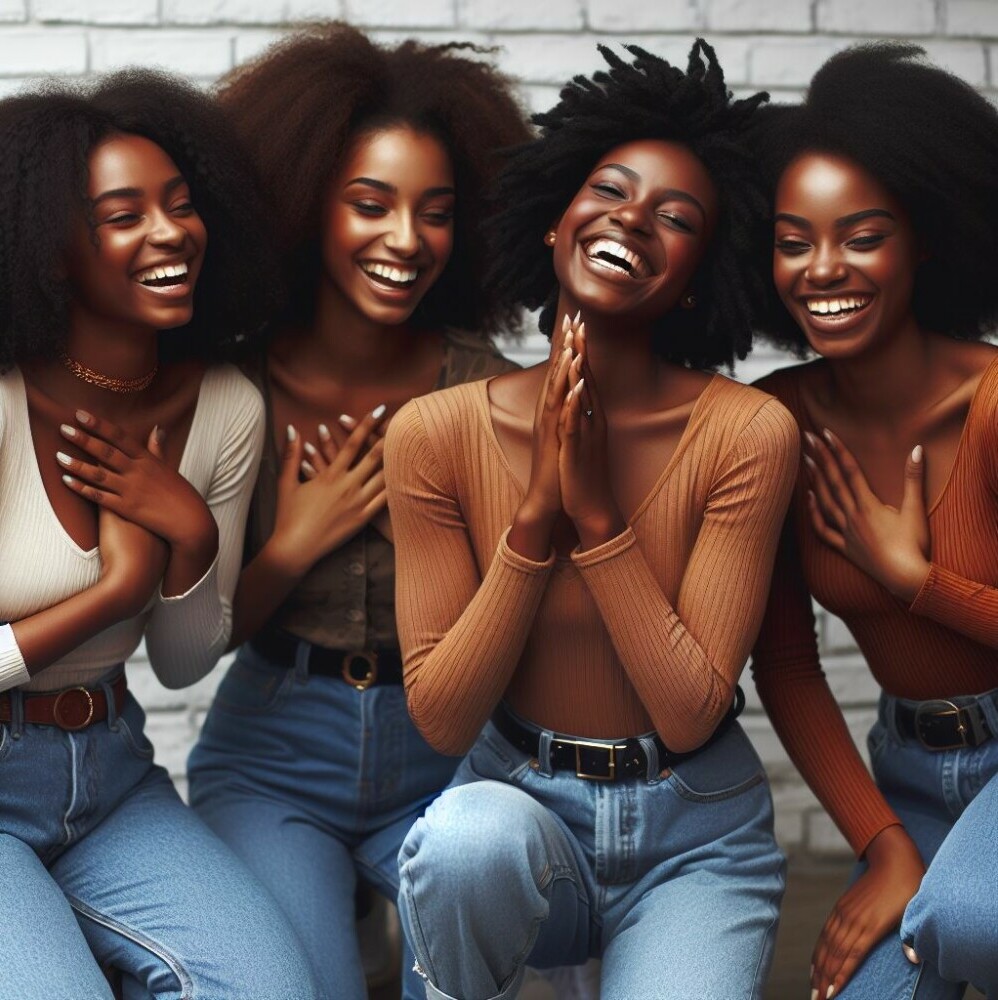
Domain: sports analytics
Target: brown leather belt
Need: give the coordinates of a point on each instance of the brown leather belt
(71, 709)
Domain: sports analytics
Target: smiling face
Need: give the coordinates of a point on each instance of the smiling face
(845, 255)
(389, 222)
(631, 239)
(137, 260)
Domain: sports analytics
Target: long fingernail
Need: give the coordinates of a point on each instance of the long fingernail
(347, 421)
(309, 468)
(565, 323)
(292, 433)
(310, 449)
(159, 433)
(810, 438)
(810, 462)
(70, 432)
(578, 316)
(379, 411)
(68, 480)
(827, 435)
(84, 417)
(916, 453)
(63, 457)
(578, 386)
(830, 993)
(909, 953)
(324, 434)
(814, 994)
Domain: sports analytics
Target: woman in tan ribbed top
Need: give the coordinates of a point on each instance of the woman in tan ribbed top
(886, 251)
(583, 553)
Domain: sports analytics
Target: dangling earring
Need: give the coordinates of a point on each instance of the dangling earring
(550, 237)
(689, 301)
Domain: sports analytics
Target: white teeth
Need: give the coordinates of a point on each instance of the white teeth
(615, 249)
(834, 307)
(401, 275)
(163, 271)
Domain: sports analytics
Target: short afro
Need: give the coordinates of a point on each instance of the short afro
(646, 98)
(928, 138)
(46, 138)
(299, 105)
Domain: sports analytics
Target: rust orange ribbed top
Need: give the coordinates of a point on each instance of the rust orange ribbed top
(941, 646)
(648, 631)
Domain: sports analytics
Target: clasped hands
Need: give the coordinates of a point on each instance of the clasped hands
(569, 470)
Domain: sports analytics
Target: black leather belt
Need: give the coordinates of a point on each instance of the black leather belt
(943, 725)
(602, 760)
(360, 668)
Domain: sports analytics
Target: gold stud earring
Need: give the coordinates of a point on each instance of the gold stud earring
(550, 237)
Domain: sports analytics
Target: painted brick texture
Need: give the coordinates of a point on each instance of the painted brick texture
(770, 44)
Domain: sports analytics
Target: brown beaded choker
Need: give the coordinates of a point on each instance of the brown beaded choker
(81, 371)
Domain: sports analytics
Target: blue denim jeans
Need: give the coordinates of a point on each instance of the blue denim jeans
(674, 880)
(315, 784)
(948, 802)
(100, 862)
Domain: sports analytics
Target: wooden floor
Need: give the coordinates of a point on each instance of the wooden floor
(812, 887)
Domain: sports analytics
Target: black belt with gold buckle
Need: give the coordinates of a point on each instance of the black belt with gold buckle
(943, 725)
(605, 760)
(360, 668)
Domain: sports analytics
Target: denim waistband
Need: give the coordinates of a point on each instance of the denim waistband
(987, 701)
(104, 682)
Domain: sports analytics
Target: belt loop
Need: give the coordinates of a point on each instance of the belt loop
(302, 652)
(544, 753)
(112, 708)
(651, 754)
(16, 713)
(888, 706)
(988, 703)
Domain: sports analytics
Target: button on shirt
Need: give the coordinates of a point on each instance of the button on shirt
(347, 599)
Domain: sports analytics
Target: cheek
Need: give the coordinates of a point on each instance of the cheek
(440, 242)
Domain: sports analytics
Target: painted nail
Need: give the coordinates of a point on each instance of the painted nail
(810, 438)
(810, 463)
(814, 994)
(578, 386)
(827, 435)
(84, 417)
(324, 434)
(63, 457)
(160, 433)
(578, 316)
(379, 411)
(308, 468)
(68, 480)
(70, 432)
(565, 324)
(916, 453)
(347, 421)
(830, 993)
(310, 449)
(909, 953)
(292, 433)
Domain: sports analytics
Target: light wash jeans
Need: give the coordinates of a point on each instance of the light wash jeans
(100, 862)
(948, 802)
(675, 882)
(315, 784)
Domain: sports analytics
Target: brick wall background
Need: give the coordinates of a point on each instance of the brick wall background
(763, 44)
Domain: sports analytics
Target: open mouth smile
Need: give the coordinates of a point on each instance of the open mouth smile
(842, 307)
(390, 275)
(164, 276)
(613, 256)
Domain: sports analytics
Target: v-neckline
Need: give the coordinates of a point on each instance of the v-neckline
(696, 416)
(36, 471)
(961, 445)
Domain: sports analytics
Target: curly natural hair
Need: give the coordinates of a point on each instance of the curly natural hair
(46, 138)
(299, 105)
(928, 138)
(646, 98)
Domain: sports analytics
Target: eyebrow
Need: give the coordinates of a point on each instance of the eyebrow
(670, 194)
(845, 220)
(133, 192)
(391, 189)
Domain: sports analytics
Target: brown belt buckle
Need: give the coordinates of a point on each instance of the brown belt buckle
(370, 660)
(62, 707)
(928, 708)
(611, 753)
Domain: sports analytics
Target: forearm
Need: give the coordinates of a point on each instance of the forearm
(191, 554)
(264, 584)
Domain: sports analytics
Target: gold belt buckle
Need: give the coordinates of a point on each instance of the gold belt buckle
(58, 708)
(610, 750)
(370, 660)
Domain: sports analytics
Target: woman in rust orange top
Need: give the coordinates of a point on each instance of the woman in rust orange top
(886, 259)
(588, 569)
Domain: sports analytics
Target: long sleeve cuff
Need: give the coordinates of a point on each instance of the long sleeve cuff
(515, 561)
(13, 669)
(210, 576)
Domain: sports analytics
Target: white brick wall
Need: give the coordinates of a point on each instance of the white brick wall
(772, 44)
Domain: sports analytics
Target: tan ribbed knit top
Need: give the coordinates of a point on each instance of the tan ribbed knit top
(646, 632)
(943, 645)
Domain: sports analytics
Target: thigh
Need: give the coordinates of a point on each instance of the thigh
(160, 897)
(43, 954)
(310, 874)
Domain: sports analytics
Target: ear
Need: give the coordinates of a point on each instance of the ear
(552, 232)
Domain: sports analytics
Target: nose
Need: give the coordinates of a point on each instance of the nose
(402, 237)
(632, 215)
(826, 266)
(165, 230)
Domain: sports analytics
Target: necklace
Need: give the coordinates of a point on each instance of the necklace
(109, 382)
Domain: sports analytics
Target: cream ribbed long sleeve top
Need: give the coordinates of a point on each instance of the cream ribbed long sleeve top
(40, 565)
(648, 631)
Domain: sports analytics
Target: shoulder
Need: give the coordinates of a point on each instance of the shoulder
(786, 383)
(470, 358)
(228, 392)
(10, 386)
(736, 406)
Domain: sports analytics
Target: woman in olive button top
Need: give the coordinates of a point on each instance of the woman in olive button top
(375, 161)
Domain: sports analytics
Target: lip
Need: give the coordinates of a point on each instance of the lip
(177, 292)
(606, 270)
(392, 293)
(835, 323)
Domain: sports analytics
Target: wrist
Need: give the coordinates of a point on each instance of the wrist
(595, 529)
(122, 596)
(531, 532)
(911, 581)
(283, 559)
(198, 541)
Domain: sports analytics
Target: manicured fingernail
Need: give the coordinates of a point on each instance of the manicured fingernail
(63, 457)
(160, 433)
(292, 433)
(827, 435)
(310, 449)
(916, 453)
(810, 463)
(68, 480)
(578, 386)
(347, 421)
(814, 994)
(578, 316)
(909, 953)
(70, 432)
(565, 323)
(83, 417)
(830, 993)
(309, 468)
(379, 411)
(324, 434)
(810, 438)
